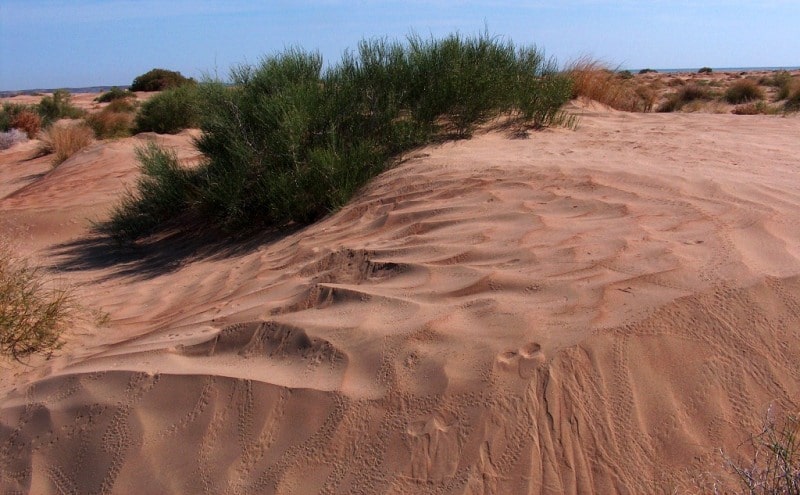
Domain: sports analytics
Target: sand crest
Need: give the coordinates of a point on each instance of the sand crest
(589, 311)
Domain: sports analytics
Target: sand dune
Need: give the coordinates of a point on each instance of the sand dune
(589, 311)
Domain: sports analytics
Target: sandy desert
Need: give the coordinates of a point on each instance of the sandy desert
(597, 310)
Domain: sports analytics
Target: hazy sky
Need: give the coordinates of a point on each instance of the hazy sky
(73, 43)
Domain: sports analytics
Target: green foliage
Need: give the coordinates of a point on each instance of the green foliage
(159, 80)
(32, 313)
(162, 189)
(705, 70)
(743, 91)
(170, 111)
(291, 142)
(58, 106)
(113, 94)
(8, 113)
(648, 71)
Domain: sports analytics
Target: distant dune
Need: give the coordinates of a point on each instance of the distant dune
(591, 311)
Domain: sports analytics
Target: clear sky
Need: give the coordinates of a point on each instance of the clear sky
(76, 43)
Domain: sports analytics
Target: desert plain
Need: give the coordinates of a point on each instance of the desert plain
(613, 308)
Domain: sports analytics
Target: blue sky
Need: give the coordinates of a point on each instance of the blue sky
(74, 43)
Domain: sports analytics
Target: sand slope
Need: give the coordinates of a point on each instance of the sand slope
(582, 311)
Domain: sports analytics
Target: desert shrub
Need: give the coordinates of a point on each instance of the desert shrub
(594, 80)
(10, 110)
(290, 142)
(743, 91)
(64, 140)
(114, 94)
(32, 312)
(170, 111)
(162, 187)
(159, 80)
(687, 94)
(755, 108)
(58, 106)
(110, 124)
(793, 101)
(123, 105)
(27, 121)
(648, 71)
(774, 462)
(705, 70)
(12, 137)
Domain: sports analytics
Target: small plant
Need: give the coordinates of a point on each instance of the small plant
(159, 80)
(685, 95)
(65, 140)
(58, 106)
(27, 121)
(12, 137)
(170, 111)
(32, 312)
(774, 467)
(705, 70)
(755, 108)
(113, 94)
(743, 91)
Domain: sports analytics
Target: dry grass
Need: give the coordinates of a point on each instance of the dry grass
(110, 124)
(64, 140)
(596, 81)
(32, 312)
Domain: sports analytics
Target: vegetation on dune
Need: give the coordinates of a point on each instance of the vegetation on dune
(64, 140)
(28, 122)
(596, 81)
(11, 137)
(58, 106)
(170, 111)
(291, 142)
(32, 312)
(114, 94)
(687, 94)
(743, 91)
(159, 80)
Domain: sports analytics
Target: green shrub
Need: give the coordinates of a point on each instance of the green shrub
(705, 70)
(32, 312)
(58, 106)
(9, 111)
(170, 111)
(114, 94)
(163, 186)
(291, 142)
(743, 91)
(159, 80)
(648, 71)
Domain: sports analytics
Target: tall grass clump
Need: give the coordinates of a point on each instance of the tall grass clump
(685, 95)
(289, 141)
(170, 111)
(743, 91)
(64, 140)
(58, 106)
(32, 312)
(594, 80)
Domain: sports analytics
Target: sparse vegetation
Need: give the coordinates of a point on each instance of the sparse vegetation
(108, 123)
(755, 108)
(65, 140)
(774, 465)
(705, 70)
(159, 80)
(32, 311)
(685, 95)
(793, 101)
(743, 91)
(290, 142)
(12, 137)
(58, 106)
(114, 94)
(647, 71)
(170, 111)
(10, 110)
